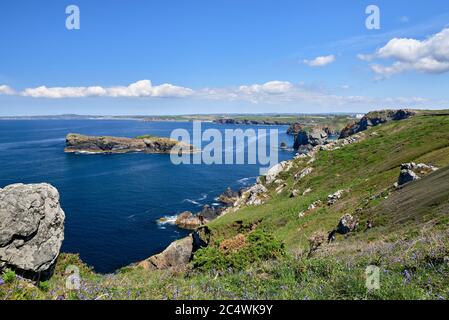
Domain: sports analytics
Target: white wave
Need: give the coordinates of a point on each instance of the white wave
(191, 201)
(203, 197)
(246, 181)
(167, 220)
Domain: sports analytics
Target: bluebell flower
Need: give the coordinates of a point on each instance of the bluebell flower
(2, 281)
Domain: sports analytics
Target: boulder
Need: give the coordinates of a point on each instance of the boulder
(175, 257)
(31, 227)
(187, 220)
(333, 198)
(346, 224)
(407, 176)
(409, 172)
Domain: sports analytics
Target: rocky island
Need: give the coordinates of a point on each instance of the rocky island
(77, 143)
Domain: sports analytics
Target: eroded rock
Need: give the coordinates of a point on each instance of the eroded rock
(31, 227)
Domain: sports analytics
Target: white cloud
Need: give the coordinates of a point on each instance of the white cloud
(428, 56)
(272, 87)
(320, 61)
(6, 90)
(142, 88)
(272, 92)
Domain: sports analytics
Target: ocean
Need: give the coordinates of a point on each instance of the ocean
(112, 202)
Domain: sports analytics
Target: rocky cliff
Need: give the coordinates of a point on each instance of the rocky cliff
(375, 118)
(31, 227)
(313, 138)
(145, 144)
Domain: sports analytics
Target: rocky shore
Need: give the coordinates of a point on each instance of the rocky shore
(77, 143)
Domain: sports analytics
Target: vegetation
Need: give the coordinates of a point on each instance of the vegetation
(270, 252)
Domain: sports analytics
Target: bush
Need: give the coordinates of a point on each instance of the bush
(9, 276)
(44, 286)
(260, 246)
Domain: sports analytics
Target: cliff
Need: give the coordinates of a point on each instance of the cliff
(145, 144)
(376, 118)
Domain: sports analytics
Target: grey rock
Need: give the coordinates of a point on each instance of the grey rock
(310, 139)
(407, 176)
(31, 226)
(175, 257)
(346, 224)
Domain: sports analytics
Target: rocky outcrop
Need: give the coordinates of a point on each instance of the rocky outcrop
(407, 176)
(375, 118)
(175, 257)
(147, 144)
(252, 196)
(274, 171)
(346, 224)
(334, 197)
(409, 172)
(313, 138)
(228, 197)
(294, 129)
(187, 220)
(31, 227)
(303, 173)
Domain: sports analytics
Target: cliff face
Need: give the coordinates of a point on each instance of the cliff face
(375, 118)
(92, 144)
(314, 138)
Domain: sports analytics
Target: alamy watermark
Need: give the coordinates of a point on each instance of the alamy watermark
(235, 146)
(73, 21)
(372, 22)
(73, 280)
(372, 274)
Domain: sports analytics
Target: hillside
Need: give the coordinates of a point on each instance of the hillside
(279, 249)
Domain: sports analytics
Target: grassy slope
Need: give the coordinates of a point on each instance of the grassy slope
(409, 241)
(367, 168)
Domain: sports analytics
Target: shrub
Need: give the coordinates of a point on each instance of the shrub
(9, 276)
(259, 246)
(44, 286)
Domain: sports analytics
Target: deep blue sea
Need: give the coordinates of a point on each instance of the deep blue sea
(112, 202)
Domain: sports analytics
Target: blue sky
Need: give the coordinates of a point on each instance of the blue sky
(222, 56)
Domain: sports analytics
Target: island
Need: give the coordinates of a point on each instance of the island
(78, 143)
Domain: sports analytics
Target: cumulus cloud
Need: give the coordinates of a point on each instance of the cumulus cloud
(6, 90)
(143, 88)
(428, 56)
(320, 61)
